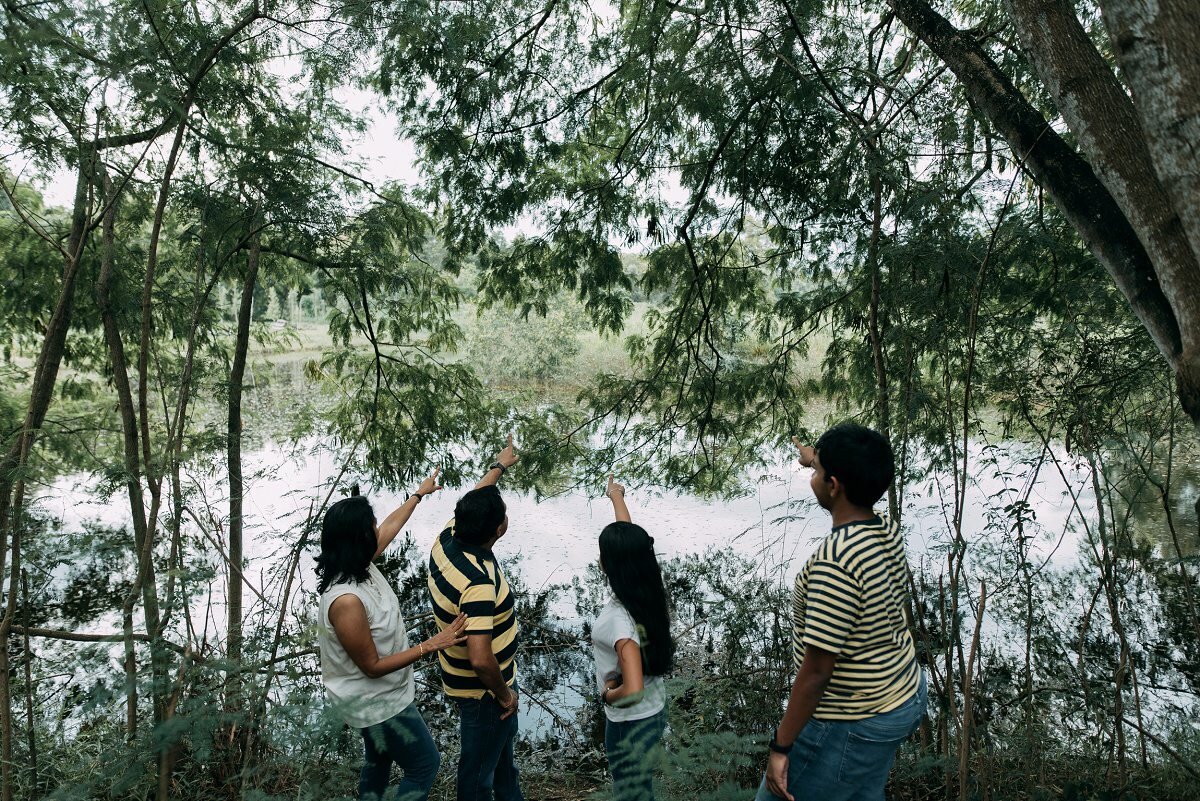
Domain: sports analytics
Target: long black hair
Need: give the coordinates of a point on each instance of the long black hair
(627, 558)
(347, 542)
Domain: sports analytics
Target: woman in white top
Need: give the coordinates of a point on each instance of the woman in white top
(631, 640)
(366, 658)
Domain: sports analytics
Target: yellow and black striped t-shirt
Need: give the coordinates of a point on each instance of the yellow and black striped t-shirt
(849, 599)
(467, 578)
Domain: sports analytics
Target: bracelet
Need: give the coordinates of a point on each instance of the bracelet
(421, 645)
(498, 466)
(777, 748)
(416, 495)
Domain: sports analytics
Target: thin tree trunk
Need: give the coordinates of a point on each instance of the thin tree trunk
(175, 428)
(131, 450)
(964, 751)
(882, 411)
(152, 470)
(166, 759)
(131, 691)
(30, 730)
(236, 484)
(1124, 658)
(15, 459)
(950, 632)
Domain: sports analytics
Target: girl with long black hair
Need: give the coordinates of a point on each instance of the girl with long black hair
(632, 644)
(366, 658)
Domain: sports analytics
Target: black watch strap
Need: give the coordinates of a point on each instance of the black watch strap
(498, 466)
(416, 495)
(779, 749)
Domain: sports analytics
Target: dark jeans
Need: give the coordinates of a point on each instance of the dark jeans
(633, 750)
(836, 760)
(486, 767)
(403, 739)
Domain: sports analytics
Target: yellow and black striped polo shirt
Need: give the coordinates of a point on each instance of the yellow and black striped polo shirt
(849, 599)
(467, 578)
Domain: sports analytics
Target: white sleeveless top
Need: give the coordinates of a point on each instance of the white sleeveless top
(361, 700)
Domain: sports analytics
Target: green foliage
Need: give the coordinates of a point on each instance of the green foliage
(811, 217)
(511, 351)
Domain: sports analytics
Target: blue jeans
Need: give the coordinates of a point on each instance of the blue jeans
(403, 739)
(487, 769)
(633, 748)
(836, 760)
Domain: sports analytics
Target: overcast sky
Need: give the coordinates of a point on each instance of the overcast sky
(385, 156)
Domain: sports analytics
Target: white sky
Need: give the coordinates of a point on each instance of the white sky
(385, 155)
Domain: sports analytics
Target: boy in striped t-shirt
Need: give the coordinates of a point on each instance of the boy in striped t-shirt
(858, 691)
(481, 676)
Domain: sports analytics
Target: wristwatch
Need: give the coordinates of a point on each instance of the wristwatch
(777, 748)
(498, 466)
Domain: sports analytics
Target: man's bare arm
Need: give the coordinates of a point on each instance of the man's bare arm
(505, 458)
(483, 662)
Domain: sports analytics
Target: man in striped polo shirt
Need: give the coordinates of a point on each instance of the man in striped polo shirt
(858, 691)
(480, 677)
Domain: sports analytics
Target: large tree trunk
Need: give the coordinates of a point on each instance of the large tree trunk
(1156, 44)
(1110, 134)
(1069, 180)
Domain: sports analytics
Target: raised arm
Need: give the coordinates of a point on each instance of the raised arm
(504, 460)
(386, 531)
(807, 452)
(616, 494)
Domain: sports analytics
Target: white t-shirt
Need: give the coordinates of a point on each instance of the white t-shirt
(361, 700)
(613, 625)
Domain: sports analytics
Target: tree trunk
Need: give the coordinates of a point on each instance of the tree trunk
(151, 469)
(1068, 179)
(130, 449)
(236, 487)
(30, 730)
(882, 411)
(1103, 118)
(1156, 45)
(15, 459)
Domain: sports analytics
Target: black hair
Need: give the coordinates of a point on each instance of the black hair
(347, 542)
(861, 459)
(478, 514)
(627, 558)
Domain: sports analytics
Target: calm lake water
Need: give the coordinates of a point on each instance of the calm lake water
(777, 524)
